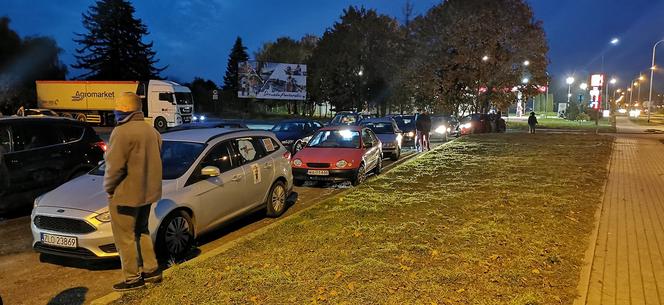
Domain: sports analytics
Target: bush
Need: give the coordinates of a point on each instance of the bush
(582, 117)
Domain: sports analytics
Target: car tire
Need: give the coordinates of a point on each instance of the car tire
(360, 175)
(298, 182)
(396, 155)
(81, 117)
(276, 199)
(160, 124)
(175, 237)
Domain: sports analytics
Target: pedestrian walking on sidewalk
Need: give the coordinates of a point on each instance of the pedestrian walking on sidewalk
(132, 180)
(532, 122)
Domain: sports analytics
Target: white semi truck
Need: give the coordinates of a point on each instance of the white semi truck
(165, 103)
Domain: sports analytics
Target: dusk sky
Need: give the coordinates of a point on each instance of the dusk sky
(194, 37)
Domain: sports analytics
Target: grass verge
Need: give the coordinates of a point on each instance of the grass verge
(487, 219)
(656, 120)
(556, 123)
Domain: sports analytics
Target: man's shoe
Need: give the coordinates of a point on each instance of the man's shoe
(124, 286)
(153, 277)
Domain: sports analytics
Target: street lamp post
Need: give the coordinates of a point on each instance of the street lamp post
(652, 72)
(570, 81)
(638, 95)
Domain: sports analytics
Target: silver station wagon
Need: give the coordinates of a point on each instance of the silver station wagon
(210, 176)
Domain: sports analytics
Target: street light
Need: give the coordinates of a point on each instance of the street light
(569, 81)
(526, 63)
(525, 80)
(615, 41)
(485, 58)
(652, 72)
(583, 86)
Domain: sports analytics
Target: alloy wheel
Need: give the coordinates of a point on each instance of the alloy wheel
(177, 235)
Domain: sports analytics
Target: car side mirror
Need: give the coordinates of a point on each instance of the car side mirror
(210, 171)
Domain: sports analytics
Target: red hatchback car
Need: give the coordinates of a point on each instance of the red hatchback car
(338, 153)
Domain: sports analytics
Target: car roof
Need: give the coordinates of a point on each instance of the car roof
(343, 127)
(377, 120)
(51, 119)
(295, 121)
(205, 135)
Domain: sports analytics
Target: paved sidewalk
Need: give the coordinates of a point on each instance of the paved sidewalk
(628, 264)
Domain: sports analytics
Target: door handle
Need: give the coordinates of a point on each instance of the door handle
(236, 178)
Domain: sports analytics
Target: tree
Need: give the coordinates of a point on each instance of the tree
(22, 62)
(238, 55)
(201, 90)
(113, 47)
(354, 63)
(453, 39)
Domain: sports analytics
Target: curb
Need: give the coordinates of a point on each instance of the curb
(589, 256)
(114, 296)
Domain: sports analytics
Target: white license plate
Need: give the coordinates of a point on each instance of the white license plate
(315, 172)
(59, 240)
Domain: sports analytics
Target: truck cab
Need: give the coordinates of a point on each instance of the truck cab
(167, 104)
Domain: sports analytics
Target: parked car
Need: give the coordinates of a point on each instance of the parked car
(472, 123)
(443, 126)
(211, 123)
(294, 134)
(406, 124)
(210, 176)
(348, 118)
(42, 153)
(339, 153)
(388, 132)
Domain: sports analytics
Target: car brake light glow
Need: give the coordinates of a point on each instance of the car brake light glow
(101, 145)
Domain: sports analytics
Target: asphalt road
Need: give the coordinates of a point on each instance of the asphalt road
(27, 277)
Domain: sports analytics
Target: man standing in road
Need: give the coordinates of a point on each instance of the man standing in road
(423, 125)
(132, 181)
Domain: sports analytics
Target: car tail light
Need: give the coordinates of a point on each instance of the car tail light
(287, 155)
(101, 145)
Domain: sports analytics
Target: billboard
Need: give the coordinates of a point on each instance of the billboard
(268, 80)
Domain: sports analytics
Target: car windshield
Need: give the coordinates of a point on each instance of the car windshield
(345, 119)
(183, 98)
(289, 127)
(380, 127)
(336, 139)
(176, 158)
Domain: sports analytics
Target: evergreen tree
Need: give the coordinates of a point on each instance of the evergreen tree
(113, 47)
(238, 54)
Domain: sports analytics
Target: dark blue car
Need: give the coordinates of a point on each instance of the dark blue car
(294, 134)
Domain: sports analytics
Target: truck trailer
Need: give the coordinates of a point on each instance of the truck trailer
(165, 103)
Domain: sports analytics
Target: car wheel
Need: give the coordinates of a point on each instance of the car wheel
(297, 146)
(298, 182)
(360, 175)
(276, 200)
(160, 124)
(379, 166)
(176, 235)
(396, 155)
(81, 117)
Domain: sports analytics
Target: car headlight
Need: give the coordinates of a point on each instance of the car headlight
(104, 217)
(411, 134)
(449, 129)
(287, 142)
(36, 202)
(297, 162)
(194, 118)
(441, 129)
(466, 126)
(341, 163)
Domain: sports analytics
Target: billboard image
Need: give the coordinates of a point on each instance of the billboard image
(268, 80)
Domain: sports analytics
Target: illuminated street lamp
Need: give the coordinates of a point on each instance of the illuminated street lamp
(583, 86)
(615, 41)
(652, 72)
(526, 63)
(485, 58)
(569, 81)
(525, 80)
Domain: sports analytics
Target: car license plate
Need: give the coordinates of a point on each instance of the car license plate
(59, 240)
(315, 172)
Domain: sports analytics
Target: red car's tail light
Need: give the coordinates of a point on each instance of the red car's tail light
(101, 145)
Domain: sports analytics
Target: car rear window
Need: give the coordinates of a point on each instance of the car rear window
(33, 136)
